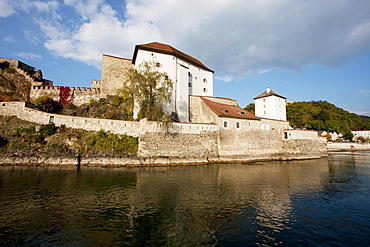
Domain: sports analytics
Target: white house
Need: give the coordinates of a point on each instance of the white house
(190, 76)
(361, 133)
(270, 105)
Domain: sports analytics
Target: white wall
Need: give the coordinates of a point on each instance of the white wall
(271, 107)
(178, 71)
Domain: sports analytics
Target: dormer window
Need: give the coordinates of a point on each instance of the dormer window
(241, 113)
(226, 111)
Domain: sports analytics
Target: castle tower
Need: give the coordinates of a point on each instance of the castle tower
(270, 105)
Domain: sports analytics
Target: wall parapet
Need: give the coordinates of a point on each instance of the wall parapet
(20, 110)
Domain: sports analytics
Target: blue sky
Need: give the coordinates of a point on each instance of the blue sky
(303, 50)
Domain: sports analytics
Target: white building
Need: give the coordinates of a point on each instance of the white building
(270, 105)
(361, 133)
(189, 75)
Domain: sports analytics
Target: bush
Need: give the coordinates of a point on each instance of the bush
(47, 104)
(4, 65)
(105, 141)
(47, 129)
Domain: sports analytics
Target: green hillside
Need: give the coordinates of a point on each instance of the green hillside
(321, 115)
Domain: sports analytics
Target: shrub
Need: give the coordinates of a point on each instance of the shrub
(47, 129)
(4, 65)
(47, 104)
(104, 141)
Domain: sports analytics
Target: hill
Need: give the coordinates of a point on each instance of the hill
(13, 86)
(321, 115)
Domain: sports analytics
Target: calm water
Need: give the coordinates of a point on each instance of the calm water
(302, 203)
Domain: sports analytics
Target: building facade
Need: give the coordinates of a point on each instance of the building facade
(270, 105)
(189, 75)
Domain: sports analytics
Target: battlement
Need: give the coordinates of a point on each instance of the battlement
(58, 88)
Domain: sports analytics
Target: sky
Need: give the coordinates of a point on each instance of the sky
(304, 50)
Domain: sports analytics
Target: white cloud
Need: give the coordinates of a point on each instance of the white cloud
(6, 8)
(364, 92)
(9, 39)
(234, 38)
(29, 56)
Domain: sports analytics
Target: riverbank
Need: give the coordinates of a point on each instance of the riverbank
(136, 161)
(347, 146)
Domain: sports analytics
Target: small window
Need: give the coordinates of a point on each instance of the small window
(263, 100)
(190, 84)
(237, 125)
(205, 90)
(264, 106)
(158, 65)
(241, 113)
(51, 119)
(225, 124)
(225, 111)
(205, 80)
(264, 112)
(166, 77)
(3, 104)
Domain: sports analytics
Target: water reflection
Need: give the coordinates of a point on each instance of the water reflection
(275, 203)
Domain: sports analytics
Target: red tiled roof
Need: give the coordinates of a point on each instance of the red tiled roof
(167, 49)
(223, 110)
(270, 93)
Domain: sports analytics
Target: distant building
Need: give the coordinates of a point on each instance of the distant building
(270, 105)
(361, 133)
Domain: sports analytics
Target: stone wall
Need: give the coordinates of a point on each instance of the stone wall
(19, 110)
(242, 139)
(250, 138)
(304, 148)
(179, 144)
(113, 75)
(81, 95)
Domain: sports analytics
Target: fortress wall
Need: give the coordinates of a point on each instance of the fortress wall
(19, 110)
(81, 95)
(178, 144)
(113, 75)
(255, 139)
(304, 148)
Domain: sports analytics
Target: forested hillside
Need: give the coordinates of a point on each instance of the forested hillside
(321, 115)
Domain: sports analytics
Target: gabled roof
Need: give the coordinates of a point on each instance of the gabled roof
(167, 49)
(268, 93)
(233, 111)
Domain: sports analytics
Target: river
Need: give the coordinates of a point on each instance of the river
(322, 202)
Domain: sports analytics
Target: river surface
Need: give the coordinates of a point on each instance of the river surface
(323, 202)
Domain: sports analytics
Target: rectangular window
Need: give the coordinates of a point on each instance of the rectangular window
(51, 119)
(225, 124)
(205, 90)
(205, 80)
(237, 125)
(158, 65)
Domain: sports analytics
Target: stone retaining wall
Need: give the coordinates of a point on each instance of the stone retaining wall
(176, 143)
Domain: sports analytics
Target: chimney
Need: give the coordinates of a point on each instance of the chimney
(268, 90)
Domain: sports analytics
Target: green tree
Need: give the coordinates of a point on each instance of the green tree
(251, 108)
(47, 104)
(149, 89)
